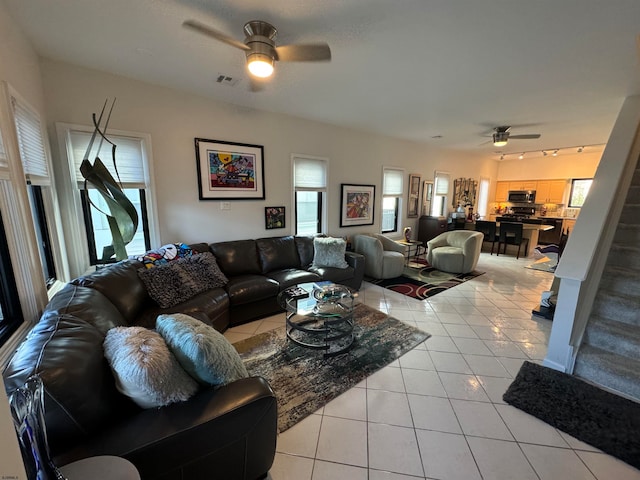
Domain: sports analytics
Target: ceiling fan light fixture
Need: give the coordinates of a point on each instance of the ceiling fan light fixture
(260, 65)
(500, 139)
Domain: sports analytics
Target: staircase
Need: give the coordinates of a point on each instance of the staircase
(610, 352)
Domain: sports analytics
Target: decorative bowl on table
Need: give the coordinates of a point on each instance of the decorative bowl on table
(331, 293)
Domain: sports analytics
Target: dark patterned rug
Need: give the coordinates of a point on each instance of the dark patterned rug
(600, 418)
(305, 381)
(420, 280)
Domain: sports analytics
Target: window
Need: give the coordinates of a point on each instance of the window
(310, 189)
(392, 190)
(440, 195)
(31, 144)
(579, 191)
(133, 176)
(10, 312)
(483, 197)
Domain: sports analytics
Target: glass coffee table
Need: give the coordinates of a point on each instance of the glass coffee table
(319, 316)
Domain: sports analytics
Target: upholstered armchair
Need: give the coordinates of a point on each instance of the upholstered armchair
(456, 251)
(384, 258)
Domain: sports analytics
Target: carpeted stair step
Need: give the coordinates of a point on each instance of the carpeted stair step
(621, 280)
(613, 306)
(627, 234)
(612, 371)
(630, 214)
(624, 256)
(613, 336)
(633, 196)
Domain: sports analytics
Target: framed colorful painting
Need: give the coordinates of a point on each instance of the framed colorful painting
(229, 171)
(356, 204)
(274, 217)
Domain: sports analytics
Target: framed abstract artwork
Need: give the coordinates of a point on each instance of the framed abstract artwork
(356, 204)
(229, 171)
(413, 205)
(274, 217)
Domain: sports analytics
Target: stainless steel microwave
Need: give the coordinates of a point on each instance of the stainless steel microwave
(522, 196)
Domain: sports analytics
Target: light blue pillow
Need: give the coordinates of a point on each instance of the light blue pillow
(201, 350)
(145, 369)
(329, 252)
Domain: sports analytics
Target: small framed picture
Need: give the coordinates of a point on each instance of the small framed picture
(274, 217)
(414, 195)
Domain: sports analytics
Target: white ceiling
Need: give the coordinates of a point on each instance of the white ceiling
(412, 69)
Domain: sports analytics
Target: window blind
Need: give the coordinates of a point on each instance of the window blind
(129, 157)
(392, 183)
(442, 183)
(309, 173)
(30, 140)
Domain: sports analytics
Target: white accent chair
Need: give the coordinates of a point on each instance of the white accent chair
(383, 258)
(456, 251)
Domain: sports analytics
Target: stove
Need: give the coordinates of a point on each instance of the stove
(517, 214)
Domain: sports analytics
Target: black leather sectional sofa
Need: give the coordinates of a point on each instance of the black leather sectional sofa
(228, 432)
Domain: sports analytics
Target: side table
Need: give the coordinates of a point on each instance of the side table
(411, 246)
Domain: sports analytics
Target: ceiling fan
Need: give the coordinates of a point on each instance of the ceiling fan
(260, 46)
(501, 136)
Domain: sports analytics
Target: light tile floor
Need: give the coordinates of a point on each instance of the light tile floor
(437, 412)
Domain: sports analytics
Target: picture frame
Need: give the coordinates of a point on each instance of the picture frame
(357, 204)
(229, 170)
(274, 217)
(427, 196)
(413, 204)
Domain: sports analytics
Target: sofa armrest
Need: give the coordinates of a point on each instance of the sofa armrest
(229, 432)
(356, 261)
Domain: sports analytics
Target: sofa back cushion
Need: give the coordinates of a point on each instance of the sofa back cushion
(277, 253)
(121, 285)
(80, 393)
(304, 246)
(238, 257)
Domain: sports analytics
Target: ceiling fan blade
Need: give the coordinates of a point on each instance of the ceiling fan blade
(206, 30)
(312, 52)
(524, 136)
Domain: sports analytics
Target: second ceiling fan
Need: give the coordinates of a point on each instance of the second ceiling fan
(501, 136)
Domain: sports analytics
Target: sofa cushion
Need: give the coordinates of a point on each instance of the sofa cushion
(239, 257)
(277, 253)
(305, 250)
(329, 252)
(145, 369)
(80, 393)
(182, 279)
(120, 284)
(292, 276)
(251, 288)
(202, 351)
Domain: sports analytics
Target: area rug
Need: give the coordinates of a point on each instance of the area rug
(304, 381)
(420, 280)
(597, 417)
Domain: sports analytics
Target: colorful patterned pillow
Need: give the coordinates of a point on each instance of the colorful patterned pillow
(165, 254)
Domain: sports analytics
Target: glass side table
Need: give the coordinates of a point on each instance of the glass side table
(319, 317)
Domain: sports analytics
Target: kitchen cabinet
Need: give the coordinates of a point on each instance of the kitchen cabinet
(523, 185)
(502, 191)
(550, 191)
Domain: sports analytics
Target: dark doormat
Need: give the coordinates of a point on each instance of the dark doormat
(304, 381)
(600, 418)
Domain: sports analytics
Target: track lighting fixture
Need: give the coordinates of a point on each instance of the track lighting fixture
(553, 151)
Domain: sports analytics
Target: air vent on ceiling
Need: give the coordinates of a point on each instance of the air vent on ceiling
(227, 80)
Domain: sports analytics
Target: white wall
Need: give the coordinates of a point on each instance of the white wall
(174, 118)
(566, 165)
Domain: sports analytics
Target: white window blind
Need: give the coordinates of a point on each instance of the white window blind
(30, 140)
(309, 173)
(442, 183)
(392, 182)
(129, 157)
